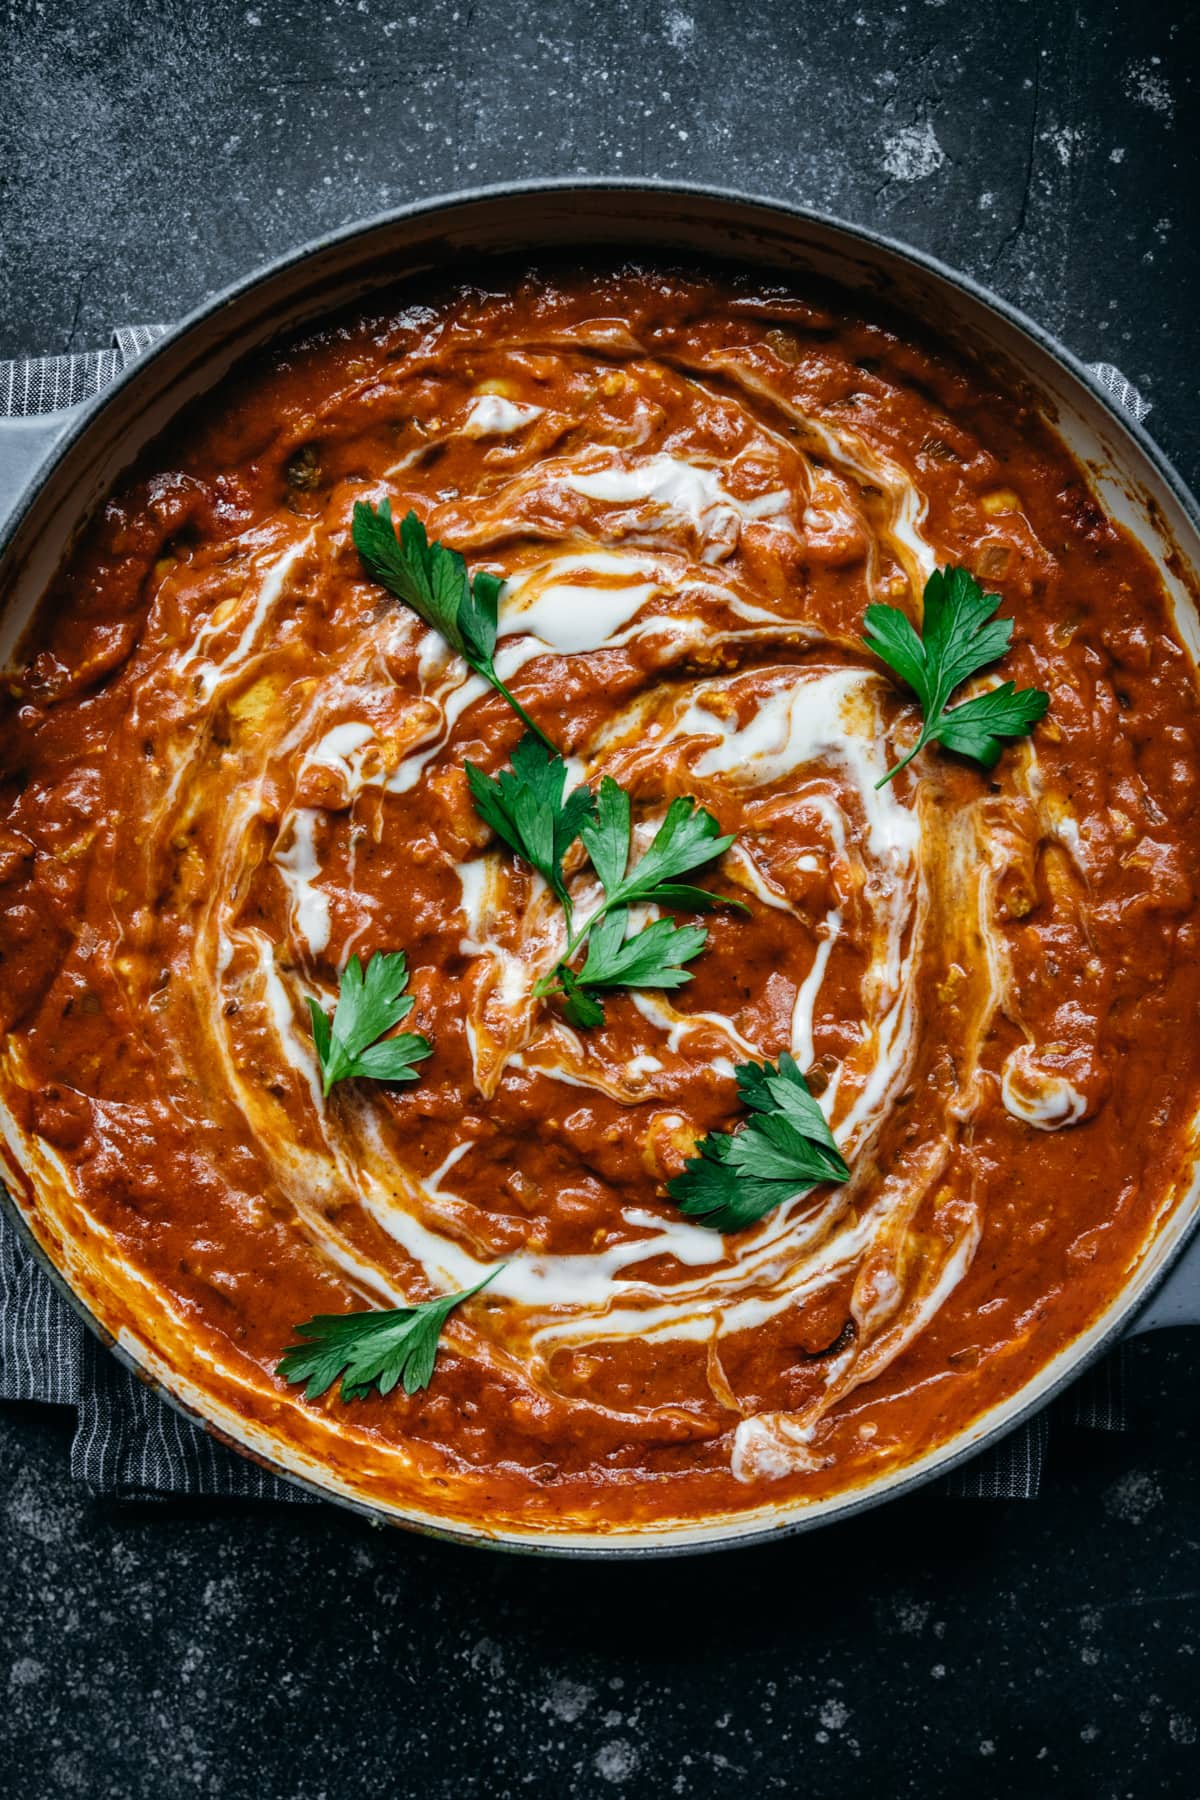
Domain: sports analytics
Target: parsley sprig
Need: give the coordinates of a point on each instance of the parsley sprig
(372, 1349)
(433, 580)
(353, 1043)
(527, 808)
(959, 637)
(654, 956)
(784, 1147)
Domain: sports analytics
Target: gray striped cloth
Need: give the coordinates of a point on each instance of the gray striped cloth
(45, 384)
(128, 1444)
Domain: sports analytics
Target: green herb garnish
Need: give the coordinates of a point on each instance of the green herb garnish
(372, 1349)
(526, 807)
(784, 1147)
(959, 637)
(353, 1044)
(687, 837)
(433, 580)
(654, 956)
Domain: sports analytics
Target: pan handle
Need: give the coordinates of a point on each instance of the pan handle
(1177, 1301)
(25, 443)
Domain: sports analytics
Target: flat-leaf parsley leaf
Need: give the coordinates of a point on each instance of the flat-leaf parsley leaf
(783, 1148)
(372, 1349)
(433, 580)
(959, 637)
(687, 837)
(527, 808)
(353, 1043)
(524, 805)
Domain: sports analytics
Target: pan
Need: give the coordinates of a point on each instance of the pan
(56, 469)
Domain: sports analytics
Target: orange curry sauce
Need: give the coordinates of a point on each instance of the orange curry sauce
(230, 761)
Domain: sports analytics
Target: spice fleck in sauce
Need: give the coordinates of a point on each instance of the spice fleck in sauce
(231, 762)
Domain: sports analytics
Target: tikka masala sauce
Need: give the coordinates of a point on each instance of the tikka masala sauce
(230, 761)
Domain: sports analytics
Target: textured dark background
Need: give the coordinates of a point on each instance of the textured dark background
(150, 153)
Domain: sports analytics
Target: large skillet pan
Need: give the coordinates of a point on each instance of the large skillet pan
(55, 470)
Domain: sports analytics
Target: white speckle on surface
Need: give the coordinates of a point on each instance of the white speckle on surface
(220, 1597)
(912, 1616)
(1148, 86)
(912, 153)
(987, 1747)
(70, 1772)
(1133, 1497)
(616, 1761)
(1065, 142)
(487, 1654)
(27, 1671)
(34, 1513)
(680, 28)
(834, 1715)
(568, 1700)
(1089, 1734)
(1181, 1729)
(1117, 154)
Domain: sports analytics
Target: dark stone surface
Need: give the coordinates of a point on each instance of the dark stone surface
(150, 154)
(934, 1648)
